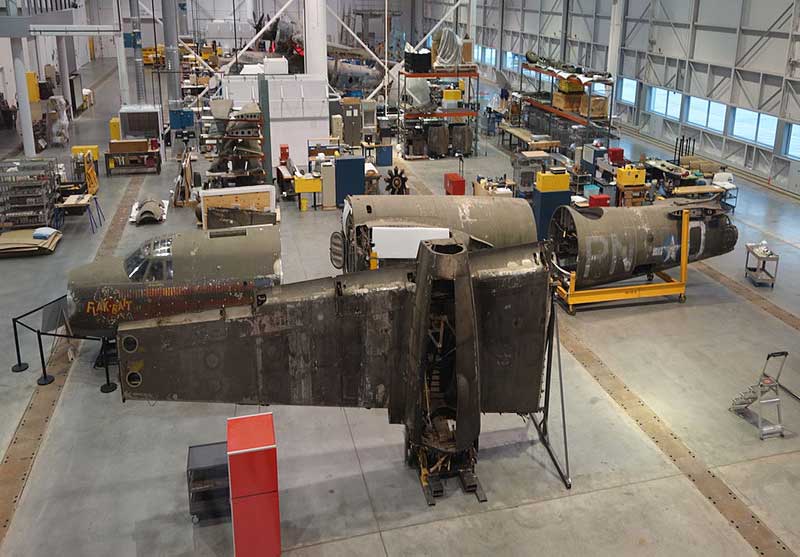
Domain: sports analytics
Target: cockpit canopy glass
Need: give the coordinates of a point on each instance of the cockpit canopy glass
(151, 261)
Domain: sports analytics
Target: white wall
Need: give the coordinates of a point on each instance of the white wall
(7, 85)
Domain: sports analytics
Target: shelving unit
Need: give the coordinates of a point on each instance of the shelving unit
(553, 111)
(239, 175)
(27, 193)
(470, 113)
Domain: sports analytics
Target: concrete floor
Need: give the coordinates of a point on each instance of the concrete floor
(110, 477)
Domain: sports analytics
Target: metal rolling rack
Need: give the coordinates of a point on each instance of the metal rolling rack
(470, 112)
(572, 117)
(27, 193)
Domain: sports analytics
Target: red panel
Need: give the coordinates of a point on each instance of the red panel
(256, 526)
(253, 472)
(250, 432)
(454, 184)
(599, 200)
(252, 455)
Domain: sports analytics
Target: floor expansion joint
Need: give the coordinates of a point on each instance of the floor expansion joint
(738, 515)
(17, 463)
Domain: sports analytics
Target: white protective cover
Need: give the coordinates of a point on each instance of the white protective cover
(401, 242)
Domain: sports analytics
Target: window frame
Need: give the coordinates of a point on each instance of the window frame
(788, 141)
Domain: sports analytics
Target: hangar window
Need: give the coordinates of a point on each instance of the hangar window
(667, 103)
(767, 128)
(793, 143)
(627, 90)
(490, 56)
(706, 114)
(755, 127)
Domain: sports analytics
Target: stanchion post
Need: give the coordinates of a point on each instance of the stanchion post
(45, 379)
(108, 387)
(20, 365)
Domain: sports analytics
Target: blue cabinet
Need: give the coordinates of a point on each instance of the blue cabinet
(544, 205)
(349, 177)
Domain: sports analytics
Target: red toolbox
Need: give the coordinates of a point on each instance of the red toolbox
(616, 155)
(454, 184)
(253, 477)
(599, 200)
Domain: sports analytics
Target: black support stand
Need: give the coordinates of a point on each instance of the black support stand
(45, 379)
(20, 365)
(108, 387)
(541, 425)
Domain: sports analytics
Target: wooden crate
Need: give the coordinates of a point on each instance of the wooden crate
(568, 101)
(119, 146)
(631, 196)
(599, 106)
(256, 198)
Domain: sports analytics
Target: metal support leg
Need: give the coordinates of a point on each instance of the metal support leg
(541, 425)
(20, 365)
(91, 218)
(109, 387)
(100, 215)
(45, 379)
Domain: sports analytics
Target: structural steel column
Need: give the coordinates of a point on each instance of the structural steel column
(472, 18)
(122, 70)
(316, 39)
(63, 69)
(183, 18)
(169, 17)
(136, 28)
(564, 30)
(615, 36)
(23, 102)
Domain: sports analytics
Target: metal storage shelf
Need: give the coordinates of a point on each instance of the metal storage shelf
(553, 111)
(470, 111)
(27, 193)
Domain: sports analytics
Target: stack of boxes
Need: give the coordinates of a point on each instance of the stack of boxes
(631, 186)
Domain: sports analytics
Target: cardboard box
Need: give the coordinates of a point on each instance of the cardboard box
(599, 106)
(568, 101)
(466, 51)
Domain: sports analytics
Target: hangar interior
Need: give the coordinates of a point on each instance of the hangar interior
(552, 240)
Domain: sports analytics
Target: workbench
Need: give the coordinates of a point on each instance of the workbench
(307, 184)
(499, 189)
(79, 203)
(525, 138)
(132, 163)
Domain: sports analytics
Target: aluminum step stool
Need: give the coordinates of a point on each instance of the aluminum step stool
(765, 392)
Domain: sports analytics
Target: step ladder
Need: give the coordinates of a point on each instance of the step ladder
(765, 394)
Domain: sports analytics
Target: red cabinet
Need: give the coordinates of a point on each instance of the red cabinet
(454, 184)
(253, 476)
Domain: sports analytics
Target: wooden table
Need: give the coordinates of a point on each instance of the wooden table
(525, 136)
(84, 202)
